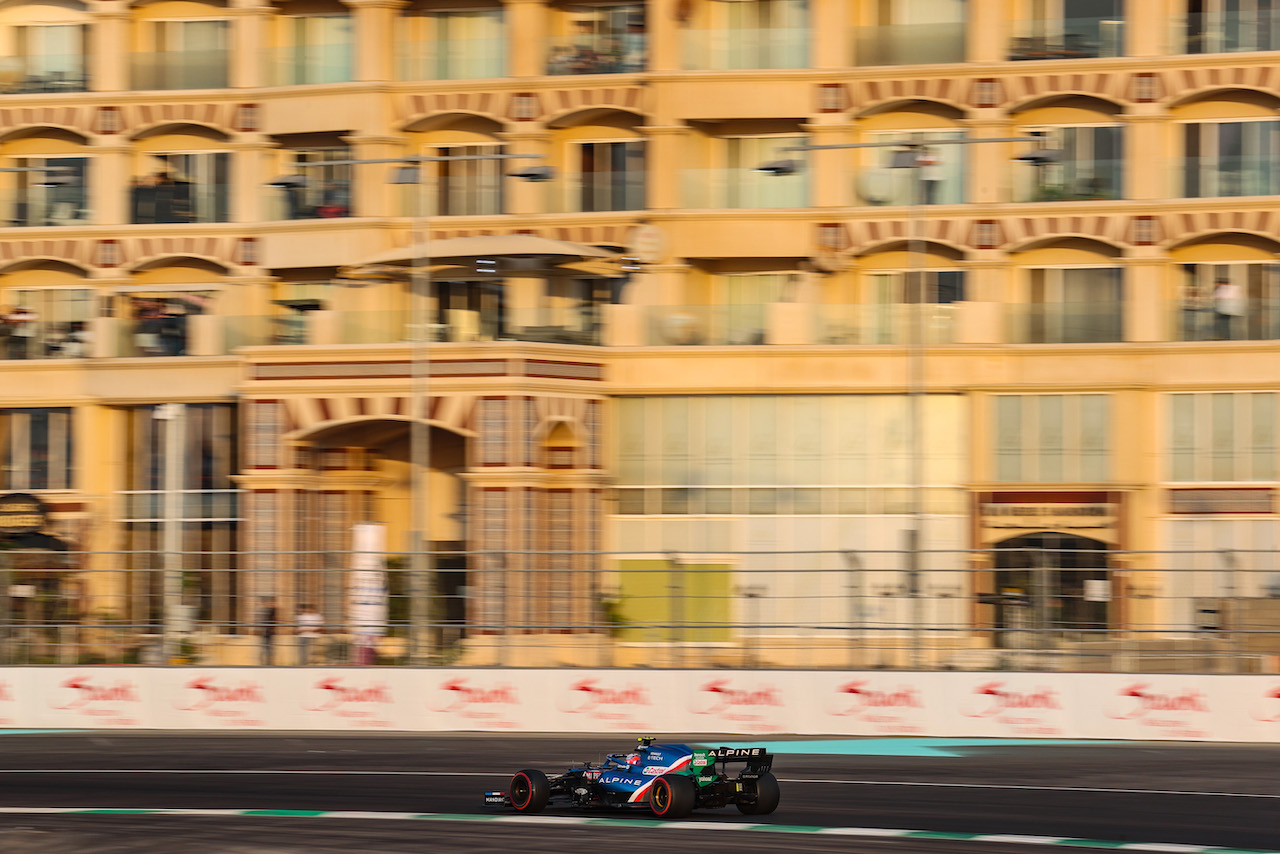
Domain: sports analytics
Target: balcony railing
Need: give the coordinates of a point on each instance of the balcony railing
(890, 323)
(299, 65)
(568, 324)
(46, 74)
(1068, 38)
(188, 69)
(596, 191)
(458, 59)
(179, 203)
(1260, 321)
(1072, 181)
(909, 44)
(706, 325)
(743, 188)
(596, 54)
(1240, 175)
(725, 49)
(43, 339)
(44, 210)
(1228, 32)
(1065, 323)
(471, 195)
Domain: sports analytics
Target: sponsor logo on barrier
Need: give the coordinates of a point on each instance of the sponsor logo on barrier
(888, 710)
(6, 695)
(1174, 715)
(759, 707)
(1034, 712)
(491, 705)
(111, 704)
(1268, 711)
(360, 705)
(242, 704)
(587, 695)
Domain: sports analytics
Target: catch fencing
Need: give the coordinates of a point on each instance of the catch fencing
(1008, 609)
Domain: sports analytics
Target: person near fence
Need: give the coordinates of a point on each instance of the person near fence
(310, 627)
(268, 624)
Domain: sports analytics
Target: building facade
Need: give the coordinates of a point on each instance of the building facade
(1066, 341)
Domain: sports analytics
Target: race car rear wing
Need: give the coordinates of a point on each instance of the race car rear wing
(757, 759)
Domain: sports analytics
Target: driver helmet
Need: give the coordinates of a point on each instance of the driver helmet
(633, 758)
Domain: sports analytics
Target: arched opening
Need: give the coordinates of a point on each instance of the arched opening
(1227, 288)
(899, 282)
(439, 40)
(1228, 137)
(936, 174)
(181, 44)
(313, 43)
(45, 47)
(602, 155)
(48, 178)
(1085, 140)
(182, 174)
(1051, 587)
(49, 306)
(456, 187)
(1070, 291)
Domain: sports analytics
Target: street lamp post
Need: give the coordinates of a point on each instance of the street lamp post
(910, 154)
(409, 171)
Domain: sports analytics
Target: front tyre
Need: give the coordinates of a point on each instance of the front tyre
(767, 796)
(529, 791)
(672, 796)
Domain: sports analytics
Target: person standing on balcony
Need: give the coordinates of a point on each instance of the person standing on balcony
(22, 323)
(1228, 304)
(310, 627)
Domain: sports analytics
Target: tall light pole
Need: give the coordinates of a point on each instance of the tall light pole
(908, 154)
(409, 171)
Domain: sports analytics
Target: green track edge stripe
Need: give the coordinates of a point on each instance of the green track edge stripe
(562, 821)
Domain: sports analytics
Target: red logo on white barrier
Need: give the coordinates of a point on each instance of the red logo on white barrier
(719, 695)
(458, 696)
(1138, 702)
(857, 698)
(332, 693)
(205, 692)
(6, 695)
(996, 700)
(1268, 711)
(589, 695)
(81, 691)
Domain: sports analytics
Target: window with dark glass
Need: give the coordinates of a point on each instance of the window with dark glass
(36, 449)
(612, 176)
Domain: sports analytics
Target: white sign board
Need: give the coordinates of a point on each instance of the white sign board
(368, 583)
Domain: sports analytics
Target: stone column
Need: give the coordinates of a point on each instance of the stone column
(109, 181)
(989, 166)
(1147, 314)
(830, 31)
(371, 195)
(1155, 173)
(250, 170)
(665, 33)
(663, 153)
(375, 37)
(830, 174)
(248, 58)
(526, 22)
(530, 197)
(990, 30)
(110, 46)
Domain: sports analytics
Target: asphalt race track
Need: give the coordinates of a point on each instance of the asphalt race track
(423, 793)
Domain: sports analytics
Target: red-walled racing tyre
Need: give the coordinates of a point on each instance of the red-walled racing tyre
(672, 796)
(767, 796)
(530, 791)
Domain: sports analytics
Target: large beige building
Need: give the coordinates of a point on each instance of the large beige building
(1064, 341)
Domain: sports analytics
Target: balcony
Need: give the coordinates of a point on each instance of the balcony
(1237, 175)
(188, 69)
(891, 324)
(1071, 181)
(1228, 32)
(27, 209)
(596, 54)
(909, 44)
(742, 189)
(305, 64)
(1065, 323)
(178, 202)
(43, 339)
(457, 59)
(729, 50)
(596, 191)
(1260, 321)
(44, 74)
(1068, 38)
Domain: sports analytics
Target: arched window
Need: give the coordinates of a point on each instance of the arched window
(1084, 139)
(313, 43)
(1228, 289)
(935, 176)
(902, 285)
(457, 187)
(451, 41)
(49, 308)
(1073, 294)
(181, 174)
(733, 151)
(604, 159)
(52, 189)
(181, 44)
(44, 47)
(1231, 145)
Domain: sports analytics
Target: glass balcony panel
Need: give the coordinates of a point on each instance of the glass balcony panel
(1199, 322)
(468, 195)
(743, 188)
(310, 203)
(1066, 323)
(179, 203)
(1236, 175)
(569, 323)
(596, 191)
(298, 65)
(44, 74)
(187, 69)
(459, 59)
(45, 339)
(1228, 31)
(909, 44)
(596, 54)
(868, 324)
(1068, 38)
(706, 325)
(44, 208)
(1069, 181)
(729, 49)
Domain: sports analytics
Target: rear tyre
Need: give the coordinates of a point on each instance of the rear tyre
(767, 796)
(530, 791)
(672, 796)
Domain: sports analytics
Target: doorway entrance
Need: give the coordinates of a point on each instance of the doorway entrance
(1054, 587)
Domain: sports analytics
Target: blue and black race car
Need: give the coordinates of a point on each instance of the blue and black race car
(672, 780)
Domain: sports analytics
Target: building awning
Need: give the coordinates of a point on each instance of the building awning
(504, 255)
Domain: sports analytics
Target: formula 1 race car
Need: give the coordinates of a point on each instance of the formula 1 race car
(672, 780)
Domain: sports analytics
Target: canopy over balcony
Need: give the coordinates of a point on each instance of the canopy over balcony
(500, 256)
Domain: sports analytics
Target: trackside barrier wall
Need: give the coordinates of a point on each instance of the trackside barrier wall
(1028, 705)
